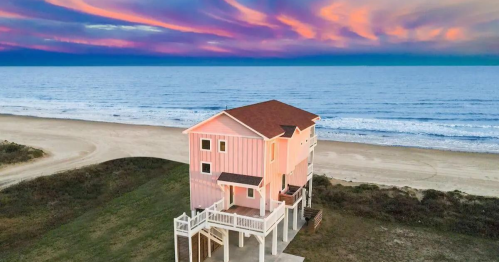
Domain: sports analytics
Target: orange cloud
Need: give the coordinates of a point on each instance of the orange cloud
(427, 34)
(249, 15)
(398, 32)
(302, 29)
(98, 42)
(360, 24)
(331, 12)
(215, 49)
(80, 5)
(455, 34)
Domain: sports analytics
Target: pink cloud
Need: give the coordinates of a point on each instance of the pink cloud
(249, 15)
(301, 28)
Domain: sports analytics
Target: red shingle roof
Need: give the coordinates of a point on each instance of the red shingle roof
(273, 118)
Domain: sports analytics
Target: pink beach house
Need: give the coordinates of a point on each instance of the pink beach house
(248, 167)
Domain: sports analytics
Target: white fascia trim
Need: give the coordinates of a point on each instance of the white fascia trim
(220, 134)
(238, 185)
(200, 123)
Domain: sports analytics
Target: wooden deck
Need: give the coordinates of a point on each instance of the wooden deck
(246, 211)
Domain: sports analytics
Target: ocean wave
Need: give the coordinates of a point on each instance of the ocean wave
(410, 127)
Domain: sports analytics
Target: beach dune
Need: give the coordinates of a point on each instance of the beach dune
(72, 144)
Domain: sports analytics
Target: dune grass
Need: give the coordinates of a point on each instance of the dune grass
(367, 223)
(93, 212)
(12, 153)
(123, 210)
(446, 211)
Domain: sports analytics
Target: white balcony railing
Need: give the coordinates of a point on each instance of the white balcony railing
(310, 169)
(313, 141)
(213, 216)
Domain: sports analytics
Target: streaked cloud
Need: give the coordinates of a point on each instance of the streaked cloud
(125, 27)
(241, 28)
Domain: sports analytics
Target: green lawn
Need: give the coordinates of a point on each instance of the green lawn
(12, 153)
(122, 210)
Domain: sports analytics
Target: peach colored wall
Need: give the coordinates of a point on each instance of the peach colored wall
(299, 176)
(293, 154)
(244, 156)
(224, 124)
(242, 199)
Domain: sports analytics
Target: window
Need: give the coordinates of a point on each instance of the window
(251, 193)
(283, 181)
(272, 152)
(221, 146)
(205, 144)
(206, 168)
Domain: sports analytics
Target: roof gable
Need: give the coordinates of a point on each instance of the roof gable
(273, 118)
(223, 124)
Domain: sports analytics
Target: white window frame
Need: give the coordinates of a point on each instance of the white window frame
(201, 144)
(225, 141)
(201, 168)
(272, 156)
(247, 193)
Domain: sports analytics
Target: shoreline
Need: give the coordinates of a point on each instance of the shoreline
(183, 128)
(74, 143)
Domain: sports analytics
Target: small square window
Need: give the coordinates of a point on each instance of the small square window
(206, 144)
(251, 193)
(221, 146)
(206, 168)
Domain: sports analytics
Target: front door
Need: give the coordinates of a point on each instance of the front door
(231, 196)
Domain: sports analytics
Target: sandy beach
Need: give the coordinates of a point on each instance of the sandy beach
(73, 143)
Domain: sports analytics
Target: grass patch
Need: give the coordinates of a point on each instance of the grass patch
(31, 209)
(344, 237)
(367, 223)
(450, 212)
(12, 153)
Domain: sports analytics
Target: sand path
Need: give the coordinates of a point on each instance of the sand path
(72, 144)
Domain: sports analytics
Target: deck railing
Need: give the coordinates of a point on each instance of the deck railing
(313, 141)
(279, 208)
(310, 169)
(291, 199)
(214, 215)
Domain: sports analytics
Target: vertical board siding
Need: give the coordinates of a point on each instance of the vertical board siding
(240, 158)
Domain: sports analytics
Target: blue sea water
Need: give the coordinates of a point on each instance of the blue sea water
(450, 108)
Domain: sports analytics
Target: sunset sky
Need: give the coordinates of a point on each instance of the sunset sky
(250, 29)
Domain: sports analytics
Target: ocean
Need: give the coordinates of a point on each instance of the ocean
(449, 108)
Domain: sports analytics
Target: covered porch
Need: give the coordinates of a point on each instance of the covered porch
(244, 248)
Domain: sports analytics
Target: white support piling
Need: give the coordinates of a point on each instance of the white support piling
(310, 192)
(286, 226)
(209, 242)
(226, 246)
(295, 218)
(274, 241)
(241, 239)
(261, 248)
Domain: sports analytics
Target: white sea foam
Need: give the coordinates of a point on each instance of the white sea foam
(451, 108)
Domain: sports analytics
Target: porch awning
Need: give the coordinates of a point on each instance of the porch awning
(239, 180)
